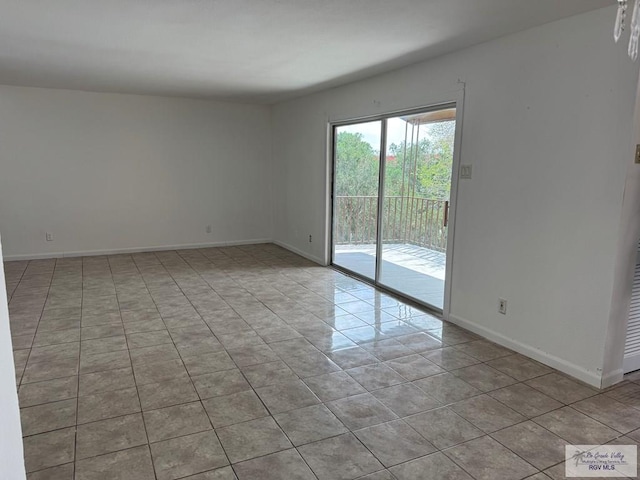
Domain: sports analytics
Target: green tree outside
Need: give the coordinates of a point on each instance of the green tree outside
(421, 169)
(415, 171)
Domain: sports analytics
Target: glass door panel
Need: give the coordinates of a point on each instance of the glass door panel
(355, 197)
(417, 183)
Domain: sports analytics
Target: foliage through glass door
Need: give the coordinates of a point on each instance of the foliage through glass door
(413, 214)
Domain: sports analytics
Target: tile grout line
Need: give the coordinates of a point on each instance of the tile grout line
(293, 446)
(182, 359)
(144, 424)
(252, 390)
(75, 441)
(39, 317)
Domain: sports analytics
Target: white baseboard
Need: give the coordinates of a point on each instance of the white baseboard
(31, 256)
(592, 378)
(116, 251)
(612, 378)
(297, 251)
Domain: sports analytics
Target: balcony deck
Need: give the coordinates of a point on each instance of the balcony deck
(415, 271)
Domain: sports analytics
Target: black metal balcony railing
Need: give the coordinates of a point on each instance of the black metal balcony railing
(412, 220)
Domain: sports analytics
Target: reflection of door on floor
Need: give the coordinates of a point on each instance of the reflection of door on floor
(392, 184)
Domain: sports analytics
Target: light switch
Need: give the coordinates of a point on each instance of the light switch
(465, 171)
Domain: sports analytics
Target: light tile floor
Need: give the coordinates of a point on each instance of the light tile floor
(253, 363)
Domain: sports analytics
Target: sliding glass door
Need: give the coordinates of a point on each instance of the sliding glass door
(355, 201)
(392, 186)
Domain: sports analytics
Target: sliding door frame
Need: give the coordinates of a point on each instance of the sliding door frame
(381, 177)
(454, 99)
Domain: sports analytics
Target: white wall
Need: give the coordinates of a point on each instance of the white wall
(548, 129)
(11, 453)
(108, 172)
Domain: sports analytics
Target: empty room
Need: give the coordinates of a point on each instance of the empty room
(331, 240)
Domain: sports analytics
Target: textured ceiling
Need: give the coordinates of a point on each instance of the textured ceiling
(244, 50)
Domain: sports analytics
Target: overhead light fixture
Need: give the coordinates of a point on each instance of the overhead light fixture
(634, 29)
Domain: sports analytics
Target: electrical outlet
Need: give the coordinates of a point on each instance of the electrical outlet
(209, 230)
(49, 237)
(502, 306)
(310, 238)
